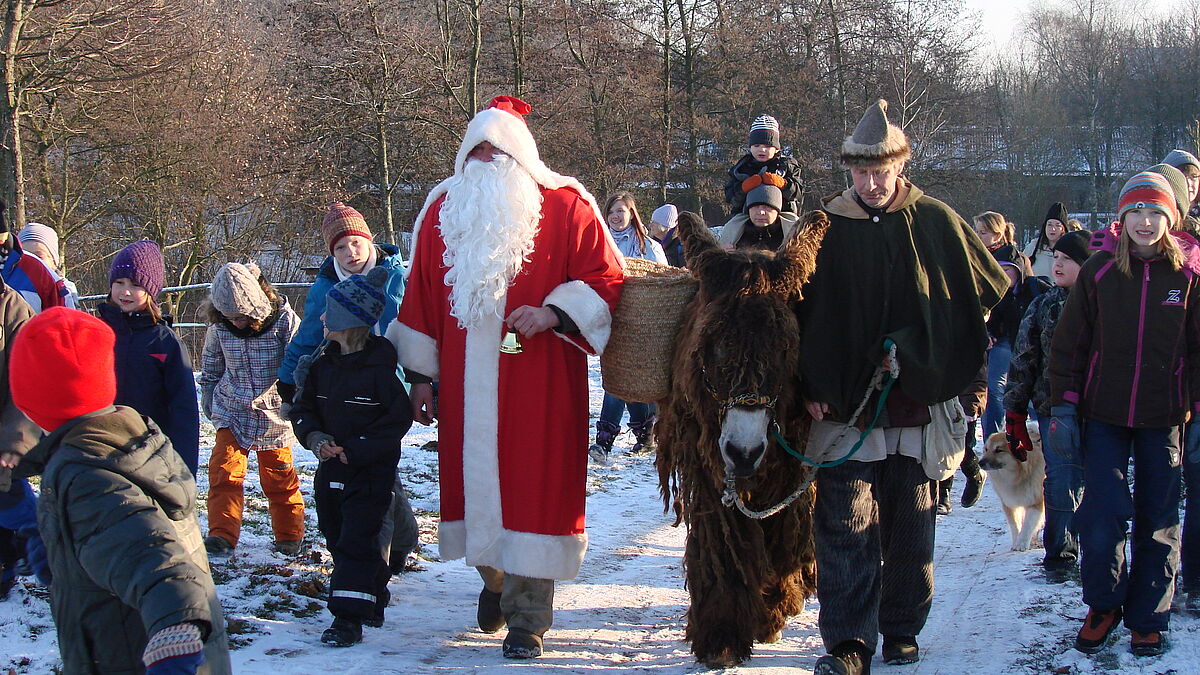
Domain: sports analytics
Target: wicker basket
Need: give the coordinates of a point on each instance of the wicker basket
(636, 363)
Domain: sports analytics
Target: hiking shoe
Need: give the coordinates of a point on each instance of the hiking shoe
(850, 661)
(23, 568)
(1097, 628)
(521, 644)
(900, 649)
(288, 548)
(374, 621)
(489, 616)
(6, 587)
(944, 508)
(343, 633)
(1147, 644)
(217, 546)
(973, 490)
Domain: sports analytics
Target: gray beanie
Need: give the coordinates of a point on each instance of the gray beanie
(236, 290)
(1178, 183)
(1181, 158)
(765, 194)
(875, 140)
(357, 301)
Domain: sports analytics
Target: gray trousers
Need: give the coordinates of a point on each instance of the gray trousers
(399, 535)
(873, 530)
(526, 603)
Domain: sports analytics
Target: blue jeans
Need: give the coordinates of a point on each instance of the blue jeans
(999, 357)
(1063, 490)
(1191, 511)
(1143, 587)
(613, 408)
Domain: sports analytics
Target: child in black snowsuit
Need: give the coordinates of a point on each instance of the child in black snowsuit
(352, 411)
(765, 157)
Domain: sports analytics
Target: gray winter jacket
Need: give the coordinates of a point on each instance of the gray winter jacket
(117, 513)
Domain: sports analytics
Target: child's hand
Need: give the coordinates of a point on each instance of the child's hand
(9, 460)
(330, 449)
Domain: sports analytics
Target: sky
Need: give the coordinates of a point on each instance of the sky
(1001, 17)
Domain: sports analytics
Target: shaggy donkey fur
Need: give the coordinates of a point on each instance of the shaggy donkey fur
(745, 576)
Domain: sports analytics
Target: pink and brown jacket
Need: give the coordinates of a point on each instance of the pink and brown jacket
(1127, 348)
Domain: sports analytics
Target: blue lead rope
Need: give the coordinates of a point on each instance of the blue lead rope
(887, 382)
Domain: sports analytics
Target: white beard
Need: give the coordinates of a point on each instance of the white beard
(488, 223)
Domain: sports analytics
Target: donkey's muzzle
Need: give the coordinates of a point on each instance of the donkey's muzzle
(742, 462)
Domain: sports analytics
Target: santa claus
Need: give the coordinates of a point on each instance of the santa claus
(506, 244)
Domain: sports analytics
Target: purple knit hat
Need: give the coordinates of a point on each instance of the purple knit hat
(141, 261)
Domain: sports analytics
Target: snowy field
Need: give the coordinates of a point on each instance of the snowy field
(992, 612)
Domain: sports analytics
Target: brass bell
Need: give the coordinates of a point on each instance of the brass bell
(510, 344)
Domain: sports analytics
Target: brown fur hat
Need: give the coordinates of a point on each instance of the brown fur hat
(875, 141)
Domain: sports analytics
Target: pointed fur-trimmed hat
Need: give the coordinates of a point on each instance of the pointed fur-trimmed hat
(875, 140)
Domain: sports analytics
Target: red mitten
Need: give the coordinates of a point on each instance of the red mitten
(751, 183)
(1019, 442)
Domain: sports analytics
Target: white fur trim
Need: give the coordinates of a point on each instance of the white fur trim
(452, 539)
(414, 349)
(540, 556)
(482, 506)
(585, 307)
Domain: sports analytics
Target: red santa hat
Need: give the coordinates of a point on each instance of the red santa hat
(502, 123)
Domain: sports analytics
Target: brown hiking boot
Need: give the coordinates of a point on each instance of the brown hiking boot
(1097, 628)
(1147, 644)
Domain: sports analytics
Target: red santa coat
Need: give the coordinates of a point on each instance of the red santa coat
(513, 428)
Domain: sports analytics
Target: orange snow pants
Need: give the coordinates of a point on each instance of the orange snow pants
(226, 499)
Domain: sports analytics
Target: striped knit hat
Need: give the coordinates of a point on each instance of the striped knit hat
(357, 301)
(343, 221)
(1148, 190)
(764, 131)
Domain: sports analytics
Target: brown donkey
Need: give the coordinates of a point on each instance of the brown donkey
(733, 393)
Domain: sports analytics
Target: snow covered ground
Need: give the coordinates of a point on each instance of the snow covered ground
(992, 612)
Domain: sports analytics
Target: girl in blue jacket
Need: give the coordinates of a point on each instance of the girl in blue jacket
(154, 371)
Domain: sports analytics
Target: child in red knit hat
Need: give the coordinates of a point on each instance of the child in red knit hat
(132, 589)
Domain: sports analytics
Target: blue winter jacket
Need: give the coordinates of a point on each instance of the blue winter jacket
(154, 377)
(312, 331)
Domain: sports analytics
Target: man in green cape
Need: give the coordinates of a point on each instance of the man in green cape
(896, 267)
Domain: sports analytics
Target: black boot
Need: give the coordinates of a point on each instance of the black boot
(606, 433)
(489, 616)
(644, 433)
(975, 479)
(343, 633)
(521, 644)
(848, 658)
(943, 496)
(900, 649)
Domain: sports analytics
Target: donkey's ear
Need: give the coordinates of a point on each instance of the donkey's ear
(696, 237)
(798, 255)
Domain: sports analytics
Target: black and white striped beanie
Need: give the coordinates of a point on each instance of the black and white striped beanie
(764, 131)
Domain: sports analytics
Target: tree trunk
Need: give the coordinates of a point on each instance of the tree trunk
(12, 187)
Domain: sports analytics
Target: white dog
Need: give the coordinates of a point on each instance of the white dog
(1018, 485)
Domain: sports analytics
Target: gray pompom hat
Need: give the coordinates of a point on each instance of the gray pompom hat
(875, 141)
